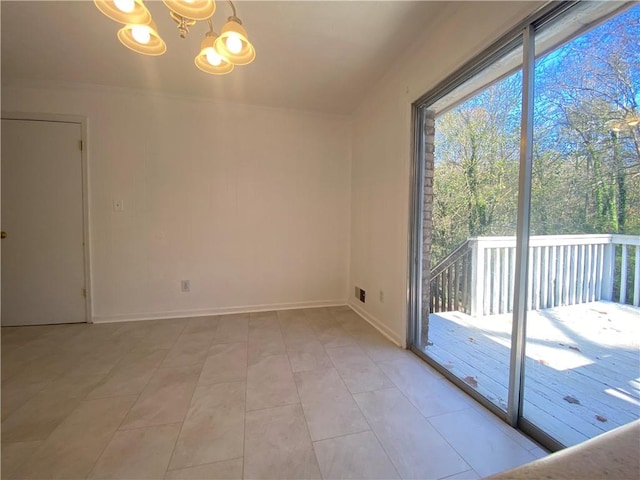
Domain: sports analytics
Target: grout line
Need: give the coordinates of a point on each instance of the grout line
(314, 331)
(391, 461)
(148, 426)
(78, 406)
(447, 440)
(459, 473)
(304, 416)
(432, 426)
(99, 456)
(262, 409)
(369, 425)
(202, 464)
(140, 395)
(396, 387)
(342, 435)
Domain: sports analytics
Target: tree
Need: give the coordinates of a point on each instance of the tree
(475, 179)
(586, 170)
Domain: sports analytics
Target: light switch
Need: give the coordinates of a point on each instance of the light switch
(118, 205)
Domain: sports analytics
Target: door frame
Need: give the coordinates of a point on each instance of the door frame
(86, 215)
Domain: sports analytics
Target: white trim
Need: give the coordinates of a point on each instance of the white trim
(86, 219)
(377, 324)
(204, 312)
(86, 187)
(31, 84)
(43, 117)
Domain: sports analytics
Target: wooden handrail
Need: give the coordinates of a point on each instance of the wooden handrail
(563, 270)
(450, 259)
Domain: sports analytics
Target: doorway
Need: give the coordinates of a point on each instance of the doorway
(44, 224)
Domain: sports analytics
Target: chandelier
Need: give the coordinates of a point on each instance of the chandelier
(218, 53)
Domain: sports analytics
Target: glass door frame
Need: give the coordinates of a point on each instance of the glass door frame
(522, 35)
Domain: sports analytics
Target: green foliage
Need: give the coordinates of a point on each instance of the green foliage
(586, 170)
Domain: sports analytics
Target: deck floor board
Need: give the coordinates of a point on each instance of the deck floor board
(588, 352)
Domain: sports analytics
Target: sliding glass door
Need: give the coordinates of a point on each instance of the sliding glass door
(525, 284)
(582, 335)
(475, 165)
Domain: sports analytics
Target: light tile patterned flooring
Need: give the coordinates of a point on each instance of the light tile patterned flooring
(315, 393)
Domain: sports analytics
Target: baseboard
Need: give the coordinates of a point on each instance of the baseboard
(377, 324)
(205, 312)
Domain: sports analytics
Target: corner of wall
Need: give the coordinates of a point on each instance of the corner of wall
(349, 279)
(377, 324)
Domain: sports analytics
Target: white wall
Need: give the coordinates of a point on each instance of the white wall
(251, 204)
(381, 152)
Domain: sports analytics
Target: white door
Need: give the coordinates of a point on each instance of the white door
(43, 277)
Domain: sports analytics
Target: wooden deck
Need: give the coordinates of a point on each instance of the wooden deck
(582, 367)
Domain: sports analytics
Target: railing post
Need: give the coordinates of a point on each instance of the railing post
(477, 278)
(636, 280)
(608, 270)
(623, 275)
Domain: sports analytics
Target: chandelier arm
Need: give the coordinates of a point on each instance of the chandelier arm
(232, 7)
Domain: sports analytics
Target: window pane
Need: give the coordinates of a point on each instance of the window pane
(582, 369)
(470, 244)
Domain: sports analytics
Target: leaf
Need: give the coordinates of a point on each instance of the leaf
(473, 381)
(542, 362)
(472, 340)
(571, 399)
(574, 348)
(601, 418)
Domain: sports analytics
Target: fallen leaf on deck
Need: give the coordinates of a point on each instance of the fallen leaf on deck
(571, 399)
(471, 381)
(542, 362)
(562, 344)
(600, 418)
(574, 348)
(429, 344)
(472, 340)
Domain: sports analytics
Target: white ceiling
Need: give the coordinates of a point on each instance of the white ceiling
(320, 56)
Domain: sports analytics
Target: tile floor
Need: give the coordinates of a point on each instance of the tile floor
(314, 393)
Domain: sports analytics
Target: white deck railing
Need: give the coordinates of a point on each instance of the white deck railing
(563, 270)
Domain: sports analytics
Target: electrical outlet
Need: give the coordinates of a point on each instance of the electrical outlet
(362, 295)
(381, 296)
(185, 286)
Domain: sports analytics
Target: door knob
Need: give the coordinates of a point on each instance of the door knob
(3, 234)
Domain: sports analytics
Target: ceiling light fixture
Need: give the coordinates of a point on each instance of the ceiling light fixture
(142, 39)
(218, 53)
(234, 44)
(194, 9)
(125, 11)
(208, 60)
